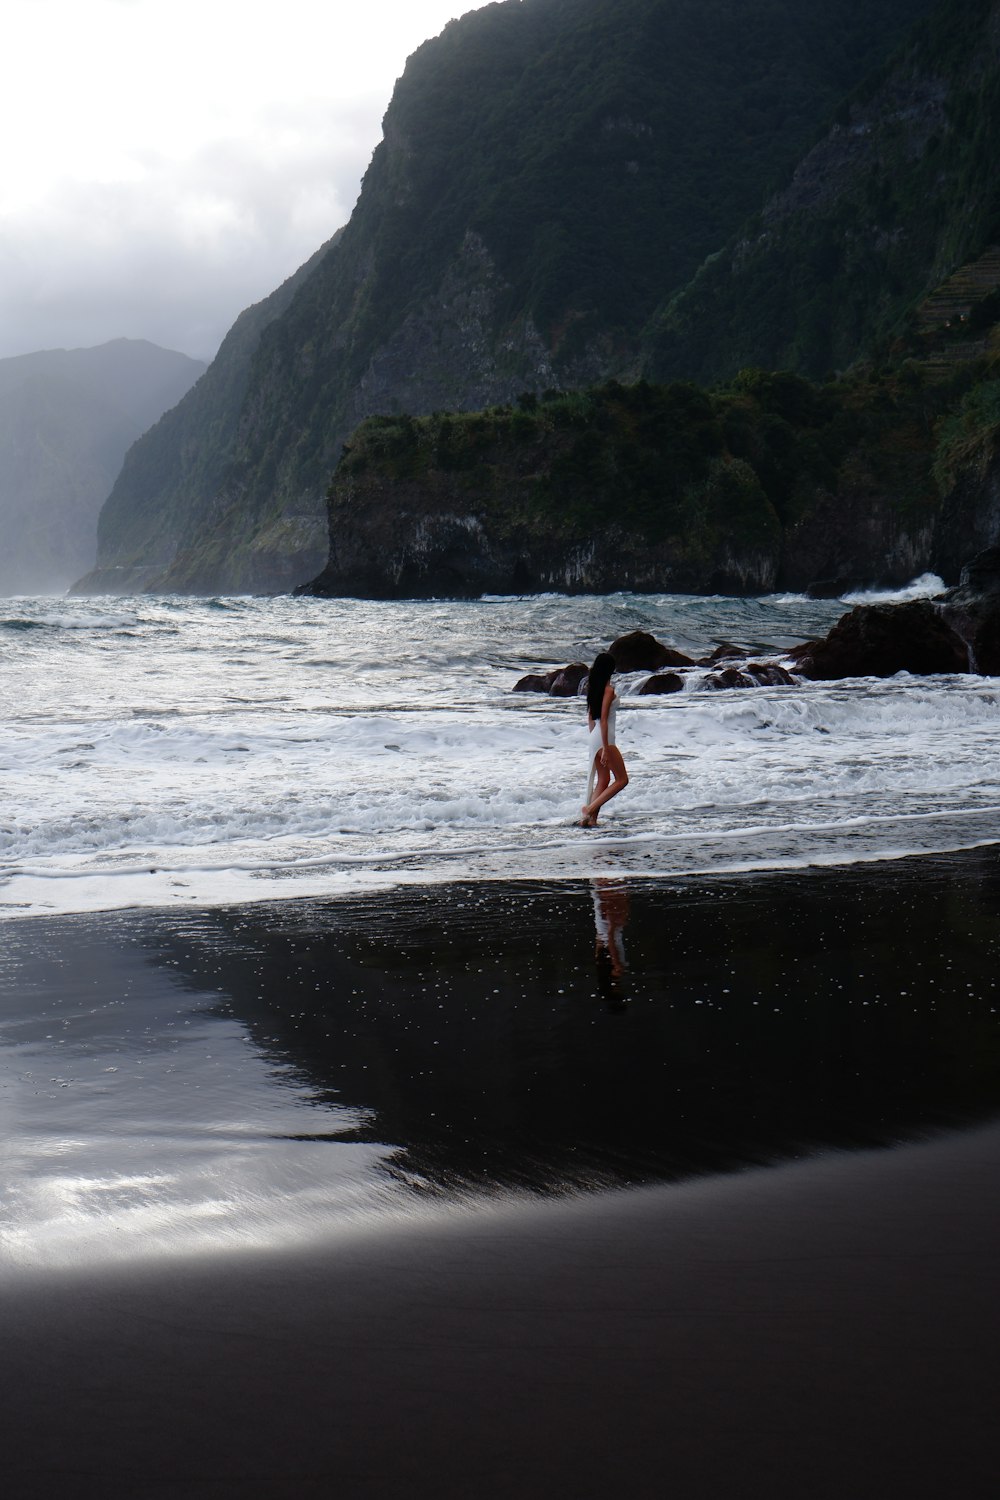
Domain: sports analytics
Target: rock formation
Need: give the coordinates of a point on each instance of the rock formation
(878, 640)
(972, 611)
(958, 632)
(641, 652)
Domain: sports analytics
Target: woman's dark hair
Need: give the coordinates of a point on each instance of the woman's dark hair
(600, 676)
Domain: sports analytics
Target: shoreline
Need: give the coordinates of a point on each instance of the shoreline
(166, 890)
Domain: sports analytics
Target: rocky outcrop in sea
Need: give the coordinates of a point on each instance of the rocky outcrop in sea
(956, 632)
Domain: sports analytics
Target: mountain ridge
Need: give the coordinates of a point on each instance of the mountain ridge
(168, 480)
(548, 171)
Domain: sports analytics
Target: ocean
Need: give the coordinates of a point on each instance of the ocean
(300, 934)
(171, 752)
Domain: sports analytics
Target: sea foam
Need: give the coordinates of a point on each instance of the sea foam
(213, 754)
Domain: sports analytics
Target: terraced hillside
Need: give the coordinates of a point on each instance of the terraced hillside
(958, 322)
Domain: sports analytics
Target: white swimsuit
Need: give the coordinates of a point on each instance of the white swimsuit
(596, 743)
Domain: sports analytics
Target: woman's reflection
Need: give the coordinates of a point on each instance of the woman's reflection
(610, 917)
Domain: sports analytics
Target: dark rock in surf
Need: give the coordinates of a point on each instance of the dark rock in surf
(663, 682)
(564, 682)
(769, 674)
(749, 674)
(725, 651)
(972, 610)
(730, 677)
(826, 588)
(641, 652)
(878, 640)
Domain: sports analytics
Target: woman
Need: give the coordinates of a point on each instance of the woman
(608, 775)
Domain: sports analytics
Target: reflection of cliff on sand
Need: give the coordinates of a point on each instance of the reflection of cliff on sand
(611, 904)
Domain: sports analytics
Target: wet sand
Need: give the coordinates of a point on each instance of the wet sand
(823, 1326)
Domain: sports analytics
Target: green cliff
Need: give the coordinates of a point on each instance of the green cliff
(551, 172)
(769, 482)
(899, 192)
(882, 240)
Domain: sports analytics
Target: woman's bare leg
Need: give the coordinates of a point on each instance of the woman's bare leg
(603, 777)
(616, 764)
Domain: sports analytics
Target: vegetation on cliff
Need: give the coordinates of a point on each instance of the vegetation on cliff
(550, 171)
(903, 188)
(880, 240)
(968, 435)
(578, 138)
(770, 480)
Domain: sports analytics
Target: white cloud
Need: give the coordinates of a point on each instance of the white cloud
(170, 161)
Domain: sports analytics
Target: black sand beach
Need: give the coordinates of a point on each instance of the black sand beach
(686, 1190)
(822, 1331)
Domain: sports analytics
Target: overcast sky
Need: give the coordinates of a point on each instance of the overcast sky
(168, 162)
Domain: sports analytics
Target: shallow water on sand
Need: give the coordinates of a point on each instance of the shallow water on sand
(196, 1082)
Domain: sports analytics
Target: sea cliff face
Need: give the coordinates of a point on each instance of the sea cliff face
(859, 534)
(436, 539)
(170, 486)
(772, 484)
(969, 519)
(548, 174)
(443, 541)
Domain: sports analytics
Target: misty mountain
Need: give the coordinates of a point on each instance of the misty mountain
(67, 417)
(174, 472)
(550, 174)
